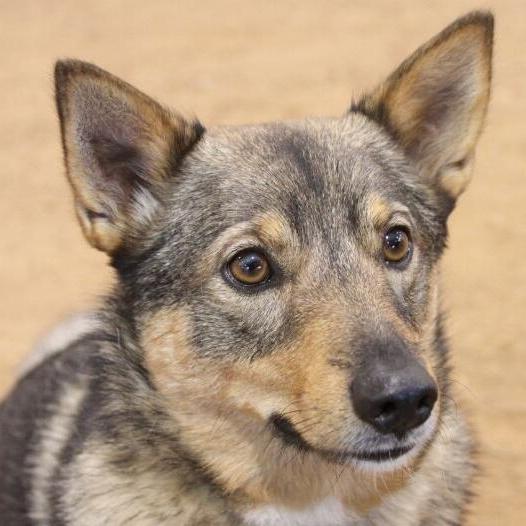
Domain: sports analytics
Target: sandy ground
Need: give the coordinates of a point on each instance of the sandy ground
(233, 62)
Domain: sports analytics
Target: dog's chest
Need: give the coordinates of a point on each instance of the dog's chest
(329, 512)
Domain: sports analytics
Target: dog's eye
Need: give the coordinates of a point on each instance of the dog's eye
(249, 267)
(397, 244)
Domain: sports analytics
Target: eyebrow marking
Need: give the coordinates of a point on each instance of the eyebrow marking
(381, 210)
(273, 230)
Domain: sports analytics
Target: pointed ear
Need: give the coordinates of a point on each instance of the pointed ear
(434, 104)
(120, 150)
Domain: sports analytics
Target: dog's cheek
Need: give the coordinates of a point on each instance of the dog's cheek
(169, 356)
(190, 379)
(298, 380)
(431, 350)
(165, 340)
(325, 402)
(258, 389)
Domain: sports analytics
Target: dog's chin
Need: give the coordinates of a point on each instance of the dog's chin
(384, 455)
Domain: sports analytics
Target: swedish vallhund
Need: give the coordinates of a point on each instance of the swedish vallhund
(273, 351)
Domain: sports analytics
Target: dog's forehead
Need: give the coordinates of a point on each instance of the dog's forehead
(315, 168)
(320, 156)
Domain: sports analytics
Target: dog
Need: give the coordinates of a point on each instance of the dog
(273, 352)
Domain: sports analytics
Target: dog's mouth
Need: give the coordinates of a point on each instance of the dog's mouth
(285, 430)
(382, 455)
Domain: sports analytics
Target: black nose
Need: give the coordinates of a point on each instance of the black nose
(394, 402)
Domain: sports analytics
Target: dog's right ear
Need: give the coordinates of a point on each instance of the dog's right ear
(120, 149)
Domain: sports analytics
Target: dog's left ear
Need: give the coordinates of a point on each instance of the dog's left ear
(121, 149)
(434, 104)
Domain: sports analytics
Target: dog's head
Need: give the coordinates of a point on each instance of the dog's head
(282, 278)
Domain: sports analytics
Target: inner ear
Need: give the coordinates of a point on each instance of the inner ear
(435, 102)
(120, 148)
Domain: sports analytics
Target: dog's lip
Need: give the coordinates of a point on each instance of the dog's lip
(290, 435)
(382, 455)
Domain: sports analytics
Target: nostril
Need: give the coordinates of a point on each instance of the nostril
(425, 402)
(387, 409)
(428, 399)
(425, 405)
(423, 411)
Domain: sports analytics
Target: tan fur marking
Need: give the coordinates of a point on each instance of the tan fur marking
(379, 210)
(273, 230)
(166, 341)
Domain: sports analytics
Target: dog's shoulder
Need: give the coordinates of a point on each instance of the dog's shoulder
(68, 333)
(40, 414)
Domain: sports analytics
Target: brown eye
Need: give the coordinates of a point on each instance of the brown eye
(249, 267)
(397, 245)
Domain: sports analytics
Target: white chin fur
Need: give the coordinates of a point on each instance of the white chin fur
(329, 512)
(423, 436)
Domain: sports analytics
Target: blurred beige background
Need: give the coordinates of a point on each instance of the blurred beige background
(233, 62)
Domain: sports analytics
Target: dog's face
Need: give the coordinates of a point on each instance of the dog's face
(301, 262)
(282, 278)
